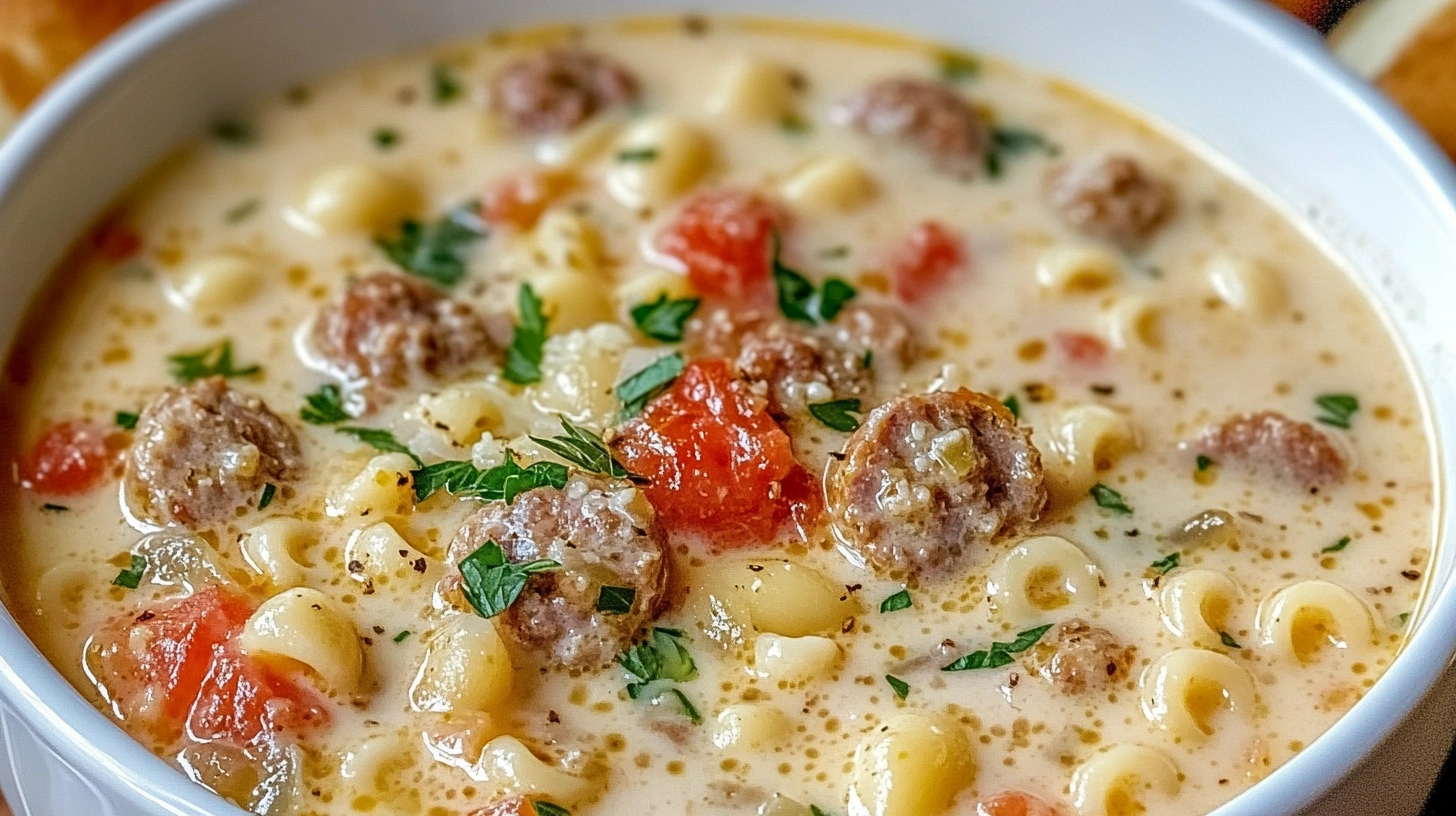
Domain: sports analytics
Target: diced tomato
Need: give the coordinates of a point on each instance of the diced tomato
(1016, 803)
(922, 263)
(724, 239)
(717, 463)
(71, 457)
(1080, 348)
(514, 806)
(518, 201)
(187, 656)
(114, 241)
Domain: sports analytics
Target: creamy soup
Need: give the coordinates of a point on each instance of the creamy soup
(697, 417)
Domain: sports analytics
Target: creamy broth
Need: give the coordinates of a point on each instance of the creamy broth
(1226, 310)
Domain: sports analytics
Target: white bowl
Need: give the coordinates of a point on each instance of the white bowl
(1252, 86)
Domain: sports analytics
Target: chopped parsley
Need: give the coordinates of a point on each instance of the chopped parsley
(868, 359)
(800, 300)
(1167, 563)
(690, 710)
(1337, 408)
(1013, 405)
(1203, 463)
(1228, 640)
(640, 388)
(795, 124)
(234, 132)
(837, 415)
(436, 252)
(902, 688)
(661, 657)
(504, 482)
(1337, 546)
(1404, 617)
(445, 87)
(52, 507)
(894, 603)
(642, 154)
(584, 449)
(663, 319)
(241, 212)
(324, 406)
(1109, 499)
(213, 361)
(126, 420)
(815, 810)
(1000, 654)
(1007, 142)
(523, 358)
(269, 491)
(957, 67)
(131, 577)
(380, 440)
(547, 809)
(385, 138)
(615, 600)
(491, 583)
(403, 636)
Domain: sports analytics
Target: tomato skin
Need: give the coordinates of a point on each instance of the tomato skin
(519, 200)
(1081, 348)
(922, 263)
(718, 465)
(1016, 803)
(723, 240)
(70, 458)
(113, 241)
(514, 806)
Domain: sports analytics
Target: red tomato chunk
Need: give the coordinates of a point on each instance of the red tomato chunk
(185, 654)
(71, 457)
(514, 806)
(518, 201)
(922, 264)
(114, 241)
(1016, 803)
(723, 240)
(1084, 349)
(718, 464)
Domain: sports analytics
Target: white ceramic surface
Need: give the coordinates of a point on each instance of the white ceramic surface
(1255, 88)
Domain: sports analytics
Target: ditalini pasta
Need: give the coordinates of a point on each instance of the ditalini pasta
(700, 416)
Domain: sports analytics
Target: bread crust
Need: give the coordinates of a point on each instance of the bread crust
(1422, 79)
(40, 38)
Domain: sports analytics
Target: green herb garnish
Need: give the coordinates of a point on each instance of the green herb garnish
(957, 67)
(1007, 142)
(1109, 499)
(213, 361)
(523, 358)
(800, 300)
(444, 86)
(1000, 654)
(1404, 617)
(794, 124)
(894, 603)
(436, 252)
(402, 636)
(615, 600)
(234, 132)
(644, 154)
(52, 507)
(241, 212)
(1013, 405)
(548, 809)
(640, 388)
(584, 449)
(1337, 546)
(324, 406)
(868, 359)
(902, 688)
(504, 482)
(385, 138)
(491, 583)
(1228, 640)
(126, 420)
(1203, 463)
(131, 577)
(1338, 409)
(269, 490)
(1168, 563)
(662, 656)
(380, 440)
(663, 319)
(837, 415)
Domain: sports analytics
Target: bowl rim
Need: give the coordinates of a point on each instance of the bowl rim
(101, 753)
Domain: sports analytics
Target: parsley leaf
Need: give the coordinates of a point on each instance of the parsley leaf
(547, 809)
(504, 482)
(1168, 563)
(902, 688)
(663, 319)
(436, 252)
(1337, 546)
(385, 138)
(444, 85)
(584, 449)
(126, 420)
(131, 577)
(241, 212)
(1013, 405)
(269, 491)
(794, 123)
(640, 388)
(234, 132)
(523, 358)
(615, 600)
(1338, 409)
(682, 700)
(815, 810)
(1109, 499)
(1203, 463)
(380, 440)
(213, 361)
(894, 603)
(491, 583)
(1000, 654)
(1228, 640)
(1008, 141)
(800, 300)
(325, 406)
(51, 507)
(662, 656)
(837, 415)
(644, 154)
(402, 636)
(957, 67)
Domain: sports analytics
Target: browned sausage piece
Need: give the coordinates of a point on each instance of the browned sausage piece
(1272, 443)
(1111, 198)
(387, 329)
(1076, 656)
(603, 533)
(203, 453)
(928, 477)
(929, 115)
(555, 90)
